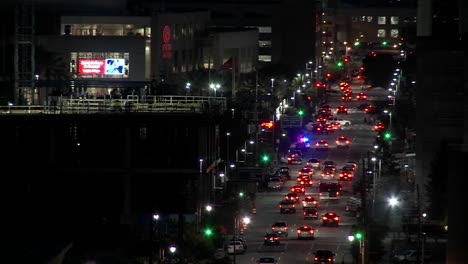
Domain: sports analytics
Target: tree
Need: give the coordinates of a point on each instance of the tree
(436, 187)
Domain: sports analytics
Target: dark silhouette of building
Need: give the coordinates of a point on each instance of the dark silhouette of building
(441, 105)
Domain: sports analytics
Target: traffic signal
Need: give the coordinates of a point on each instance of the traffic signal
(300, 112)
(358, 235)
(384, 43)
(387, 135)
(356, 43)
(208, 232)
(241, 194)
(265, 158)
(318, 85)
(339, 64)
(346, 59)
(309, 98)
(328, 75)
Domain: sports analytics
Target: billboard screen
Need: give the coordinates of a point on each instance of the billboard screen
(115, 66)
(91, 66)
(101, 66)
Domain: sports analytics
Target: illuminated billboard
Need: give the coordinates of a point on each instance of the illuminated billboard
(115, 66)
(101, 66)
(91, 66)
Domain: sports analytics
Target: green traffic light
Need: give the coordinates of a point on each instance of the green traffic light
(208, 232)
(358, 236)
(300, 112)
(241, 194)
(384, 43)
(356, 43)
(387, 135)
(265, 158)
(339, 64)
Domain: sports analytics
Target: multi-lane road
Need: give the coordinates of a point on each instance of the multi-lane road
(297, 251)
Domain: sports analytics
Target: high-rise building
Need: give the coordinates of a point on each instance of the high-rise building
(442, 105)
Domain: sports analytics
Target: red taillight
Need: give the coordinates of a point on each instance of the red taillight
(265, 238)
(298, 231)
(294, 206)
(286, 228)
(329, 259)
(337, 142)
(324, 218)
(304, 213)
(347, 141)
(336, 218)
(276, 238)
(280, 206)
(311, 231)
(273, 228)
(326, 144)
(315, 259)
(289, 158)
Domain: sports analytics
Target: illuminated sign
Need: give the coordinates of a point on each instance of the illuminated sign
(101, 66)
(91, 66)
(166, 47)
(115, 66)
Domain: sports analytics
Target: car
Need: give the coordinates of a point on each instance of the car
(313, 163)
(346, 97)
(294, 159)
(361, 96)
(271, 239)
(310, 212)
(330, 218)
(379, 127)
(298, 189)
(320, 129)
(306, 171)
(327, 172)
(341, 121)
(274, 183)
(346, 175)
(235, 247)
(266, 260)
(342, 109)
(342, 142)
(336, 125)
(370, 109)
(352, 163)
(287, 206)
(292, 196)
(281, 228)
(305, 181)
(305, 232)
(330, 190)
(324, 256)
(328, 162)
(322, 144)
(309, 201)
(284, 170)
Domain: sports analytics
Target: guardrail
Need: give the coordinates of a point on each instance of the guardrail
(151, 104)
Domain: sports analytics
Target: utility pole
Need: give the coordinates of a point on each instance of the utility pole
(363, 212)
(418, 249)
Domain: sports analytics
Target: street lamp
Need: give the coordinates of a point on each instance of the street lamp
(187, 88)
(172, 249)
(215, 87)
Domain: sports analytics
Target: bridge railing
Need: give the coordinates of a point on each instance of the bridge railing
(155, 104)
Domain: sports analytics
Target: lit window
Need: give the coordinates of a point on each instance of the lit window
(363, 19)
(264, 43)
(394, 33)
(381, 33)
(264, 29)
(264, 58)
(394, 20)
(381, 20)
(369, 19)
